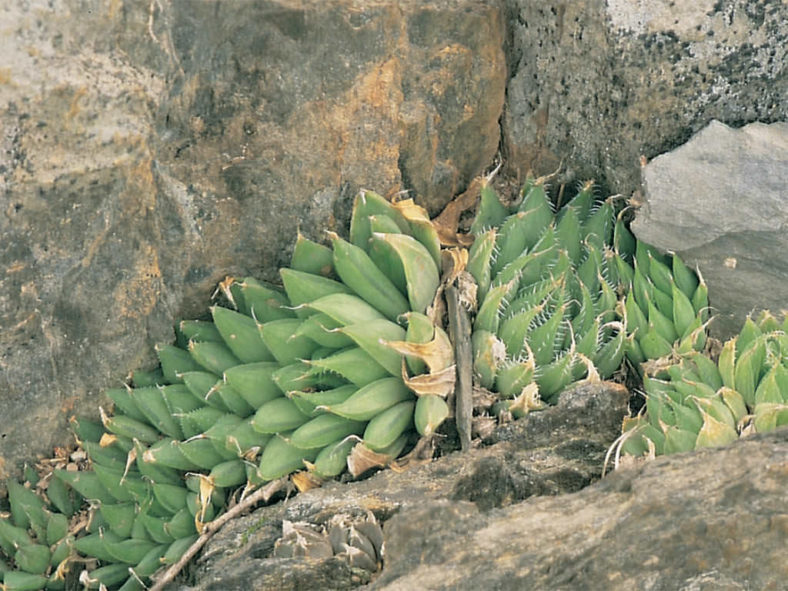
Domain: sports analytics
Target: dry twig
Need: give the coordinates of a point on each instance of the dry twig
(460, 330)
(262, 494)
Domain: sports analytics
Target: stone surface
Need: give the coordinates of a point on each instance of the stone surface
(721, 202)
(714, 519)
(151, 148)
(595, 84)
(711, 519)
(555, 451)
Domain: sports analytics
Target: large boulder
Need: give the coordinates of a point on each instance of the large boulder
(596, 84)
(151, 148)
(714, 520)
(721, 202)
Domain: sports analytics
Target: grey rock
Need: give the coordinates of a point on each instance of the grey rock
(149, 149)
(551, 452)
(596, 84)
(721, 202)
(713, 519)
(271, 574)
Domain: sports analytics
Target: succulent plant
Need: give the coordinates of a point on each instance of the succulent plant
(696, 402)
(548, 286)
(335, 370)
(347, 364)
(357, 541)
(666, 307)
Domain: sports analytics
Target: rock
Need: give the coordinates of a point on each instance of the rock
(720, 202)
(152, 148)
(597, 84)
(714, 519)
(551, 452)
(283, 573)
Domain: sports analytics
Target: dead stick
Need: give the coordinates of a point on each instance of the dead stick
(459, 328)
(210, 528)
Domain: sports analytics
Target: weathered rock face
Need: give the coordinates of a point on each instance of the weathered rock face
(558, 450)
(519, 515)
(151, 148)
(598, 84)
(714, 519)
(720, 202)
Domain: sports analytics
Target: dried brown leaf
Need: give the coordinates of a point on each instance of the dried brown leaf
(362, 458)
(453, 262)
(421, 454)
(304, 480)
(528, 400)
(483, 398)
(438, 353)
(447, 222)
(224, 288)
(107, 439)
(411, 211)
(440, 383)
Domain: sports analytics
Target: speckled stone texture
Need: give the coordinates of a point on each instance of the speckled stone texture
(711, 520)
(596, 84)
(152, 147)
